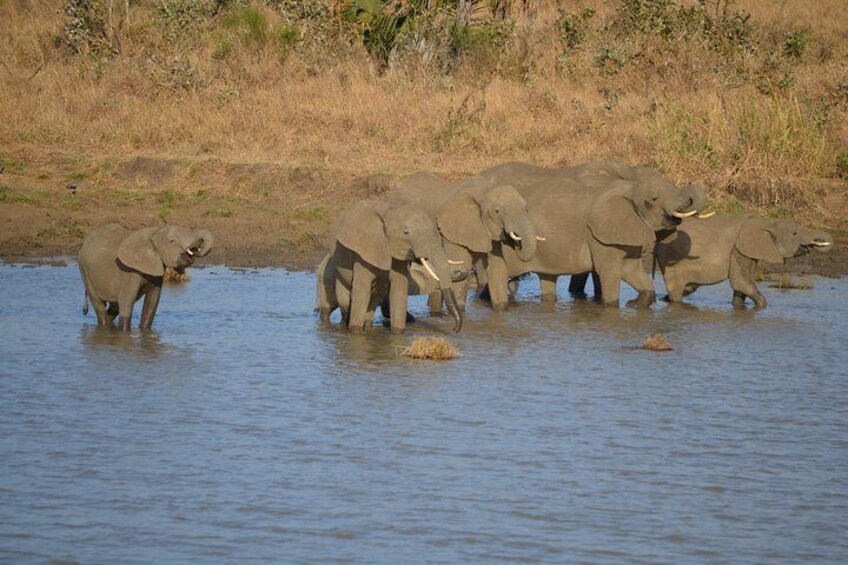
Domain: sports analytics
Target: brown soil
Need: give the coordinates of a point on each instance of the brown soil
(262, 214)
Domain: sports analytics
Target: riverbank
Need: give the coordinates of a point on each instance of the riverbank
(263, 214)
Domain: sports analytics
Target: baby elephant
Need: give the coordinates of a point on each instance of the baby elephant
(709, 251)
(118, 266)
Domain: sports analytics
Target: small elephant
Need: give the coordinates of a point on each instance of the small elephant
(709, 251)
(119, 266)
(373, 248)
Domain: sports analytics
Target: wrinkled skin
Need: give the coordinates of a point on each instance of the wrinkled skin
(476, 219)
(372, 249)
(709, 251)
(119, 266)
(600, 217)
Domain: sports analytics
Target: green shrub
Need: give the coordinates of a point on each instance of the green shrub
(795, 43)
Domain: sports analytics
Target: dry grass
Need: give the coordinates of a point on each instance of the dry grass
(657, 342)
(785, 282)
(174, 277)
(756, 126)
(435, 348)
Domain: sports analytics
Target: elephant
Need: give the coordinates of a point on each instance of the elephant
(597, 217)
(371, 249)
(476, 219)
(707, 252)
(119, 266)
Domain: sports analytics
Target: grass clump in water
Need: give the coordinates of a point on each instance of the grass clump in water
(657, 342)
(786, 283)
(436, 348)
(173, 276)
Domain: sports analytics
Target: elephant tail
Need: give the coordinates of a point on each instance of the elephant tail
(85, 304)
(654, 264)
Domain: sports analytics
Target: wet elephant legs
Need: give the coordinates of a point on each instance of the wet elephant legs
(548, 286)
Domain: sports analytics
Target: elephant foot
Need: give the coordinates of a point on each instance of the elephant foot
(644, 300)
(499, 306)
(397, 331)
(549, 298)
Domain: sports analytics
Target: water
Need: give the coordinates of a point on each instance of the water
(241, 431)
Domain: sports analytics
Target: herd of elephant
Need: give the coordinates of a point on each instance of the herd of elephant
(431, 236)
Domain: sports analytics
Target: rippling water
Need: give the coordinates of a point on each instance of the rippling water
(241, 431)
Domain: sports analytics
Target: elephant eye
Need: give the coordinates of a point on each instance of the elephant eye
(655, 198)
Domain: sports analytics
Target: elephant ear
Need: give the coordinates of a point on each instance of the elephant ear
(757, 242)
(362, 230)
(613, 220)
(460, 221)
(138, 253)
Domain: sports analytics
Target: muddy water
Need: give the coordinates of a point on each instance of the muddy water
(241, 431)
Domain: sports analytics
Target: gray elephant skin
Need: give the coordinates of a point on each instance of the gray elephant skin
(599, 216)
(372, 248)
(119, 266)
(710, 251)
(476, 219)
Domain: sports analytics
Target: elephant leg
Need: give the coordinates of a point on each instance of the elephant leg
(148, 311)
(577, 285)
(127, 295)
(689, 289)
(398, 298)
(609, 264)
(434, 302)
(741, 278)
(101, 310)
(738, 299)
(496, 274)
(634, 275)
(360, 295)
(343, 298)
(111, 313)
(596, 284)
(548, 286)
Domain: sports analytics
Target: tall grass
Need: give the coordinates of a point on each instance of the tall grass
(751, 94)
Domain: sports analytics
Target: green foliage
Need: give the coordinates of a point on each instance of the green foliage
(222, 211)
(795, 43)
(379, 24)
(842, 164)
(248, 23)
(85, 27)
(574, 28)
(611, 60)
(482, 42)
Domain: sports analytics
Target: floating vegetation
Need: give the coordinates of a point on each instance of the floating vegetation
(657, 342)
(175, 277)
(785, 282)
(436, 348)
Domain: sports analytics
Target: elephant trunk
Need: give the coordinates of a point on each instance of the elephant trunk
(522, 233)
(692, 199)
(449, 299)
(821, 241)
(206, 241)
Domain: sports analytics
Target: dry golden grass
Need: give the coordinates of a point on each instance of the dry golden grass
(694, 113)
(174, 277)
(785, 282)
(657, 342)
(434, 348)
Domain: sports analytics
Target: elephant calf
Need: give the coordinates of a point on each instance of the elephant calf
(119, 266)
(709, 251)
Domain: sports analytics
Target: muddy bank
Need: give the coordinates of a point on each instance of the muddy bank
(262, 214)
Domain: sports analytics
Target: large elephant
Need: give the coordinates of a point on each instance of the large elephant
(706, 252)
(371, 250)
(119, 266)
(476, 219)
(599, 216)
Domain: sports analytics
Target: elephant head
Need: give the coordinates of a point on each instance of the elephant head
(476, 216)
(150, 250)
(635, 208)
(775, 241)
(380, 233)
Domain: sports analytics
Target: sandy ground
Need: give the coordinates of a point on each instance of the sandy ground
(262, 214)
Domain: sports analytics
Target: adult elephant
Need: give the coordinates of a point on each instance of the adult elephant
(710, 251)
(371, 250)
(119, 266)
(477, 219)
(597, 217)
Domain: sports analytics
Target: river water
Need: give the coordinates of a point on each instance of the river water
(242, 431)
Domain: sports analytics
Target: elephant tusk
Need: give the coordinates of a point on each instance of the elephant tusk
(514, 236)
(818, 243)
(540, 238)
(682, 215)
(705, 216)
(189, 251)
(429, 269)
(452, 262)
